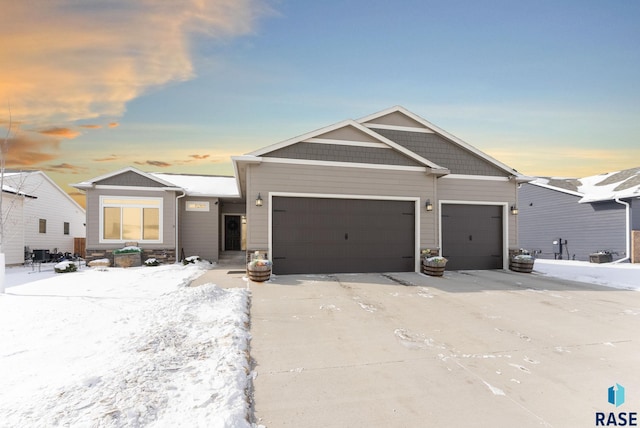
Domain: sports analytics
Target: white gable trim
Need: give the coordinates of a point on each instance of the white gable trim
(359, 127)
(347, 143)
(398, 128)
(475, 177)
(89, 184)
(343, 164)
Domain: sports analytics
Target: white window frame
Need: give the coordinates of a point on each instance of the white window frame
(159, 204)
(200, 206)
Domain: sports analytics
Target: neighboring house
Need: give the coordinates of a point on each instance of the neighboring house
(169, 216)
(356, 196)
(12, 238)
(51, 220)
(585, 215)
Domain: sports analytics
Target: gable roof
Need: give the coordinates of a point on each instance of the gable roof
(13, 174)
(401, 119)
(374, 138)
(596, 188)
(191, 184)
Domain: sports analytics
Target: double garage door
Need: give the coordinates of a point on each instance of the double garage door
(326, 235)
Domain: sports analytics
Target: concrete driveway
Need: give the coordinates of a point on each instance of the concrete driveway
(472, 349)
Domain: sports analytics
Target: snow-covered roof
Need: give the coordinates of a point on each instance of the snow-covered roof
(202, 185)
(13, 190)
(602, 187)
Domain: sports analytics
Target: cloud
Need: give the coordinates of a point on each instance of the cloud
(66, 60)
(199, 157)
(65, 168)
(30, 149)
(160, 164)
(60, 132)
(109, 158)
(113, 124)
(91, 126)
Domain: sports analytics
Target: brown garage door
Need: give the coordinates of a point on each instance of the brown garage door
(472, 236)
(323, 235)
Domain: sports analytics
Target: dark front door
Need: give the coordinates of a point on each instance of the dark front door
(324, 235)
(472, 236)
(232, 233)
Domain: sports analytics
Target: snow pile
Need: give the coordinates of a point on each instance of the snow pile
(617, 275)
(124, 347)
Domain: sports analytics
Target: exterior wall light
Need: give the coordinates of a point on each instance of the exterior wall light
(428, 205)
(259, 201)
(514, 210)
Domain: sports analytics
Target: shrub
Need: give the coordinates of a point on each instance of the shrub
(65, 266)
(127, 250)
(151, 262)
(191, 259)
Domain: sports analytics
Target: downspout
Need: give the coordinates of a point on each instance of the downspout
(177, 224)
(626, 230)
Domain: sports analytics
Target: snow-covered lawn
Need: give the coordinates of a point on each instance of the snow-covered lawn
(123, 347)
(616, 275)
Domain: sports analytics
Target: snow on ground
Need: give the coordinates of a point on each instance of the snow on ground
(617, 275)
(122, 347)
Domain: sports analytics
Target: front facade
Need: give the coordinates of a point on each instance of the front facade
(357, 196)
(169, 216)
(370, 195)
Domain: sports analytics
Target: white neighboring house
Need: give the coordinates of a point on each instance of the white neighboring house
(51, 219)
(12, 214)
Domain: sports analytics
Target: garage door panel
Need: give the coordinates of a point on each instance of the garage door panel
(472, 236)
(323, 235)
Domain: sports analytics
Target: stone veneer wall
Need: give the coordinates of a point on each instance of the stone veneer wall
(635, 246)
(164, 256)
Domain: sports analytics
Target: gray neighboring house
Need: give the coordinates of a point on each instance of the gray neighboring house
(587, 215)
(363, 195)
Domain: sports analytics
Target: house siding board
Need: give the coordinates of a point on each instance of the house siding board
(199, 230)
(48, 195)
(546, 215)
(349, 133)
(13, 245)
(397, 119)
(342, 153)
(333, 180)
(442, 152)
(130, 179)
(93, 222)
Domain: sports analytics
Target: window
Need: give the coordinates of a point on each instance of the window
(66, 228)
(197, 206)
(130, 219)
(42, 227)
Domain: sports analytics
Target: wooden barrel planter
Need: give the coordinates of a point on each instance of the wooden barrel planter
(432, 267)
(522, 266)
(258, 273)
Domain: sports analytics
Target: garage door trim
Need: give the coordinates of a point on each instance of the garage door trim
(505, 223)
(415, 200)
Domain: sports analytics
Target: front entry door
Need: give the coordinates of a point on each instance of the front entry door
(232, 233)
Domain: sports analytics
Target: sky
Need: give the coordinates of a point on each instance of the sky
(87, 87)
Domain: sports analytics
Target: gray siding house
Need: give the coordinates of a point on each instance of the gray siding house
(363, 195)
(587, 215)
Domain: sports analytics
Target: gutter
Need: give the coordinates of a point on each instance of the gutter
(626, 231)
(177, 228)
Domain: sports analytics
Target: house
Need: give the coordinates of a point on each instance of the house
(572, 218)
(170, 216)
(12, 237)
(38, 227)
(363, 195)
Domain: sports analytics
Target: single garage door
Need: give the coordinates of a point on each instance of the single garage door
(472, 236)
(324, 235)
